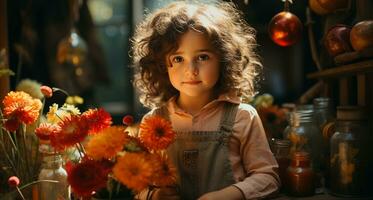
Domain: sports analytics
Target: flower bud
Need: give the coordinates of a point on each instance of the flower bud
(47, 91)
(13, 181)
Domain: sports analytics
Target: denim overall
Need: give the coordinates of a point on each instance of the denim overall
(201, 157)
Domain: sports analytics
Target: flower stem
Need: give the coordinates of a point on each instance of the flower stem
(20, 193)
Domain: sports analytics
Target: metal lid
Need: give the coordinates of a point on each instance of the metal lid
(282, 143)
(322, 102)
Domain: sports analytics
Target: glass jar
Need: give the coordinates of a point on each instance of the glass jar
(324, 114)
(350, 154)
(324, 119)
(281, 149)
(305, 135)
(300, 176)
(52, 170)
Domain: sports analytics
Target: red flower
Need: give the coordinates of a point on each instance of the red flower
(13, 181)
(47, 91)
(45, 130)
(96, 119)
(12, 124)
(87, 177)
(72, 130)
(156, 133)
(127, 120)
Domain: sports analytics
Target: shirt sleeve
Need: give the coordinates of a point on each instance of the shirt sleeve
(260, 167)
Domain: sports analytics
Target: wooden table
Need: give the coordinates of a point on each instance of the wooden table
(318, 197)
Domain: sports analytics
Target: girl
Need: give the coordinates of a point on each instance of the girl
(195, 64)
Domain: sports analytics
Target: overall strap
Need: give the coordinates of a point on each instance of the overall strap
(228, 118)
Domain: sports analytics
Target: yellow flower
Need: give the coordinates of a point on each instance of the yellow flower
(57, 114)
(106, 143)
(70, 109)
(74, 100)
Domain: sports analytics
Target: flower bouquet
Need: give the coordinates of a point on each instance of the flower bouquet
(19, 155)
(110, 161)
(102, 160)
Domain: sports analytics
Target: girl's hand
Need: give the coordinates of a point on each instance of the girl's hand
(228, 193)
(166, 193)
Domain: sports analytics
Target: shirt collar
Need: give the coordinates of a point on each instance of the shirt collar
(226, 97)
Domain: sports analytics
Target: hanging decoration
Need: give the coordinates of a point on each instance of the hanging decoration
(285, 28)
(72, 49)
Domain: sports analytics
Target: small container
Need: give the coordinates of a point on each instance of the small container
(300, 176)
(281, 150)
(324, 119)
(351, 154)
(305, 135)
(52, 170)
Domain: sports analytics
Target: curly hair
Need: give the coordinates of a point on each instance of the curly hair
(222, 23)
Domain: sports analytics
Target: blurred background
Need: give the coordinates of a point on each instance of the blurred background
(82, 46)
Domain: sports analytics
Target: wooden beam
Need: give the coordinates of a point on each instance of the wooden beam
(4, 80)
(345, 70)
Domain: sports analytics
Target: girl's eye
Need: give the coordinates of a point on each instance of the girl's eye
(177, 59)
(203, 57)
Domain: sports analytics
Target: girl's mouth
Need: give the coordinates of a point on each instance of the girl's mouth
(192, 82)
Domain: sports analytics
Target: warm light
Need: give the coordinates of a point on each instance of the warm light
(101, 10)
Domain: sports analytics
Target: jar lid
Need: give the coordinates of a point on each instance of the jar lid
(282, 143)
(322, 102)
(351, 113)
(301, 155)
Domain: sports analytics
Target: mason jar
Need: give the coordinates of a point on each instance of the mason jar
(351, 154)
(52, 169)
(300, 176)
(324, 119)
(281, 151)
(305, 135)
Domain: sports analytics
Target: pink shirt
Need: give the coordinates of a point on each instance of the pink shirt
(253, 165)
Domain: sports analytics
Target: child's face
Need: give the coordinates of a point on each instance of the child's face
(194, 67)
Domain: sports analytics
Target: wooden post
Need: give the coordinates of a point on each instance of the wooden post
(361, 89)
(4, 80)
(343, 91)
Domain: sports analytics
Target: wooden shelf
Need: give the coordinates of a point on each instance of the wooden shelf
(362, 67)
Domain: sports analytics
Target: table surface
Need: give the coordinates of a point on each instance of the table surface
(320, 196)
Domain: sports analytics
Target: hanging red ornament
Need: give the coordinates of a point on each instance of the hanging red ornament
(285, 28)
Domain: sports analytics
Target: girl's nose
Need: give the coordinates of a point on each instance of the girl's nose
(192, 68)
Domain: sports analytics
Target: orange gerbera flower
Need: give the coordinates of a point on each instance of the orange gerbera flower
(165, 172)
(45, 130)
(156, 133)
(107, 143)
(134, 170)
(97, 119)
(73, 130)
(20, 106)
